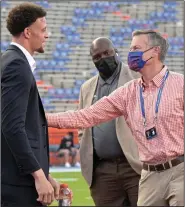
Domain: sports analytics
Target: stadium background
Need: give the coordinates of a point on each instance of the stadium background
(66, 63)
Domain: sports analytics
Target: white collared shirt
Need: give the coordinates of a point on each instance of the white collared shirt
(30, 59)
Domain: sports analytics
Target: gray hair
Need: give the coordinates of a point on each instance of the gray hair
(155, 39)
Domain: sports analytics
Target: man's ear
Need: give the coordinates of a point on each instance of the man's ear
(157, 51)
(118, 59)
(116, 50)
(26, 33)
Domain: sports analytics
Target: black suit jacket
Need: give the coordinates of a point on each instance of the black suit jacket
(24, 132)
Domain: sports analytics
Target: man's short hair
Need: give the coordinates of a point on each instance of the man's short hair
(22, 16)
(155, 39)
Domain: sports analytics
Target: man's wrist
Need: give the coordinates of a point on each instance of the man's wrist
(38, 174)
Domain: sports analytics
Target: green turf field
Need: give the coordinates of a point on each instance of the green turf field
(81, 194)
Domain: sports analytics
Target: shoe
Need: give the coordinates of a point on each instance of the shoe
(67, 164)
(77, 164)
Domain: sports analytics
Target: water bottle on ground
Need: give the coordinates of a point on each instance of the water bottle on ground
(65, 195)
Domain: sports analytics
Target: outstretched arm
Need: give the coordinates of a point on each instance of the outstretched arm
(107, 108)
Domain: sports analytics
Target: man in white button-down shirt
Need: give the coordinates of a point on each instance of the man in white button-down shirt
(25, 178)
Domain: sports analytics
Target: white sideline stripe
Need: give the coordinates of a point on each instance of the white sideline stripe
(81, 190)
(88, 198)
(64, 169)
(67, 179)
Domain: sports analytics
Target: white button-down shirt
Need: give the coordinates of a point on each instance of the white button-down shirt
(30, 59)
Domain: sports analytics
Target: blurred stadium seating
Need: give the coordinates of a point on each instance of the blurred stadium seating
(73, 25)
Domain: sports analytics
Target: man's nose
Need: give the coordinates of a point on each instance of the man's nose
(47, 35)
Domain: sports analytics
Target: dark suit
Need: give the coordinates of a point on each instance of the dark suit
(24, 134)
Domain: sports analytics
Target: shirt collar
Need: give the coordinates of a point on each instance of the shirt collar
(113, 76)
(30, 59)
(157, 80)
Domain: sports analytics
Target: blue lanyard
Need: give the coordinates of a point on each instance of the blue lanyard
(158, 98)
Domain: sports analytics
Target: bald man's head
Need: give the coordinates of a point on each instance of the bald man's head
(99, 42)
(104, 56)
(102, 47)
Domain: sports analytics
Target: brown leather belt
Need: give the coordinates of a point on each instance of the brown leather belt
(164, 166)
(120, 159)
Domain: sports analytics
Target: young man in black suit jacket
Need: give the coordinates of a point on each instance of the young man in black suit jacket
(25, 178)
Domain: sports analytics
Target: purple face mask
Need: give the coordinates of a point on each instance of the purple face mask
(135, 60)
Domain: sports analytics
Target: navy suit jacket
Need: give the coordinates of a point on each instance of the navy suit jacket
(24, 130)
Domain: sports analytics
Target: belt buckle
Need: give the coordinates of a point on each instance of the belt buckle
(181, 158)
(159, 167)
(118, 159)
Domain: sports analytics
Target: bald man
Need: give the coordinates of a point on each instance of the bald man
(109, 156)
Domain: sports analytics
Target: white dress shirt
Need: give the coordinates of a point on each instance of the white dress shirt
(30, 59)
